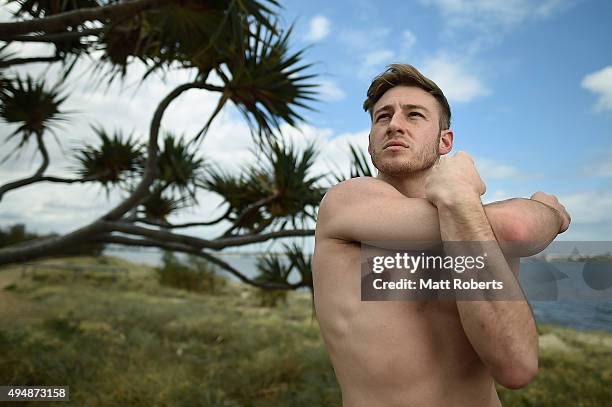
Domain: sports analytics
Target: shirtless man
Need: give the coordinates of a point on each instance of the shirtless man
(424, 353)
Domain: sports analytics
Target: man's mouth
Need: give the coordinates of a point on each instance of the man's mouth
(395, 145)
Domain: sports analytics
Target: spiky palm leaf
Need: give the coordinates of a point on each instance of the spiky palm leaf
(194, 33)
(45, 8)
(265, 81)
(180, 167)
(239, 193)
(272, 269)
(159, 206)
(120, 43)
(114, 161)
(300, 262)
(4, 57)
(282, 178)
(32, 106)
(285, 174)
(360, 165)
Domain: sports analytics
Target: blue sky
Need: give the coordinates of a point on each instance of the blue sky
(529, 82)
(530, 85)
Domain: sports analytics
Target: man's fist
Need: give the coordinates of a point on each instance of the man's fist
(553, 202)
(453, 180)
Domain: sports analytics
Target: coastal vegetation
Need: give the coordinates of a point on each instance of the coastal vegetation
(123, 338)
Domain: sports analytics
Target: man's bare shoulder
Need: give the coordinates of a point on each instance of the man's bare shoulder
(352, 208)
(356, 188)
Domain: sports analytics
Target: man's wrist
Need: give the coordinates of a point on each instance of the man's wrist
(457, 202)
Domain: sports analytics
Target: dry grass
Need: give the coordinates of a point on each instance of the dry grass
(125, 340)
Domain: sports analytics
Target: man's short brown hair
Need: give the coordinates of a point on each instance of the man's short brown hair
(408, 75)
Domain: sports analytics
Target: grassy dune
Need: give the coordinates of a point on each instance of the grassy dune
(124, 340)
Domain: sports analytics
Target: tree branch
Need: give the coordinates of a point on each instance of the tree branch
(150, 172)
(248, 211)
(45, 155)
(113, 239)
(37, 174)
(161, 235)
(59, 22)
(197, 243)
(243, 278)
(51, 246)
(256, 238)
(22, 61)
(52, 38)
(48, 246)
(180, 225)
(32, 180)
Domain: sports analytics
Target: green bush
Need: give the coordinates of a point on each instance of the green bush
(272, 269)
(194, 275)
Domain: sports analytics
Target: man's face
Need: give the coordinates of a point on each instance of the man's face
(405, 132)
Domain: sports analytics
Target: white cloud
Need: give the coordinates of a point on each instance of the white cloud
(334, 153)
(603, 169)
(369, 50)
(453, 76)
(590, 212)
(598, 165)
(495, 13)
(489, 20)
(378, 57)
(408, 39)
(600, 83)
(228, 145)
(365, 40)
(496, 195)
(318, 28)
(589, 206)
(490, 169)
(51, 207)
(329, 91)
(374, 62)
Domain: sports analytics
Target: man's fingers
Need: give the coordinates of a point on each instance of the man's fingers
(554, 203)
(567, 219)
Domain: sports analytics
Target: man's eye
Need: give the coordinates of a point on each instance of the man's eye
(415, 114)
(383, 116)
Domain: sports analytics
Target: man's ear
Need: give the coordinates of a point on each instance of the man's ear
(369, 144)
(446, 142)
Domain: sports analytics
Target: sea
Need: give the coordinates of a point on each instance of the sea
(563, 297)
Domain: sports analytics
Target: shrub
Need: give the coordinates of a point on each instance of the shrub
(194, 275)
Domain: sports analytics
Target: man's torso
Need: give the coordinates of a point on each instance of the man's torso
(393, 353)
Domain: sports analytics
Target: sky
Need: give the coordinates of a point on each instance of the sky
(529, 83)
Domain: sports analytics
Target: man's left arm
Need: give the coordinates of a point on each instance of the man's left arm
(503, 333)
(529, 225)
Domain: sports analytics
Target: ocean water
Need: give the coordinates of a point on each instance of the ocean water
(562, 297)
(560, 292)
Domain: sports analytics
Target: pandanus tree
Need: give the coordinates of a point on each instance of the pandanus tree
(241, 44)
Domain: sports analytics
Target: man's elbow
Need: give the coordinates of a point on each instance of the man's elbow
(520, 238)
(514, 228)
(519, 375)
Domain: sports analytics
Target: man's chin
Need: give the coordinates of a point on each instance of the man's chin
(395, 170)
(401, 169)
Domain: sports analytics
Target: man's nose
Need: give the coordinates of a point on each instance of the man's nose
(396, 124)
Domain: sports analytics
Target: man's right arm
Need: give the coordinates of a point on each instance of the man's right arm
(368, 209)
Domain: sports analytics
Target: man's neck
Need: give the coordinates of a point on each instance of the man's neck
(413, 186)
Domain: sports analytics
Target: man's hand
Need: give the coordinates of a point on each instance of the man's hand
(454, 179)
(553, 202)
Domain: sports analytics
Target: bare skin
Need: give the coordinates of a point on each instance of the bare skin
(423, 353)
